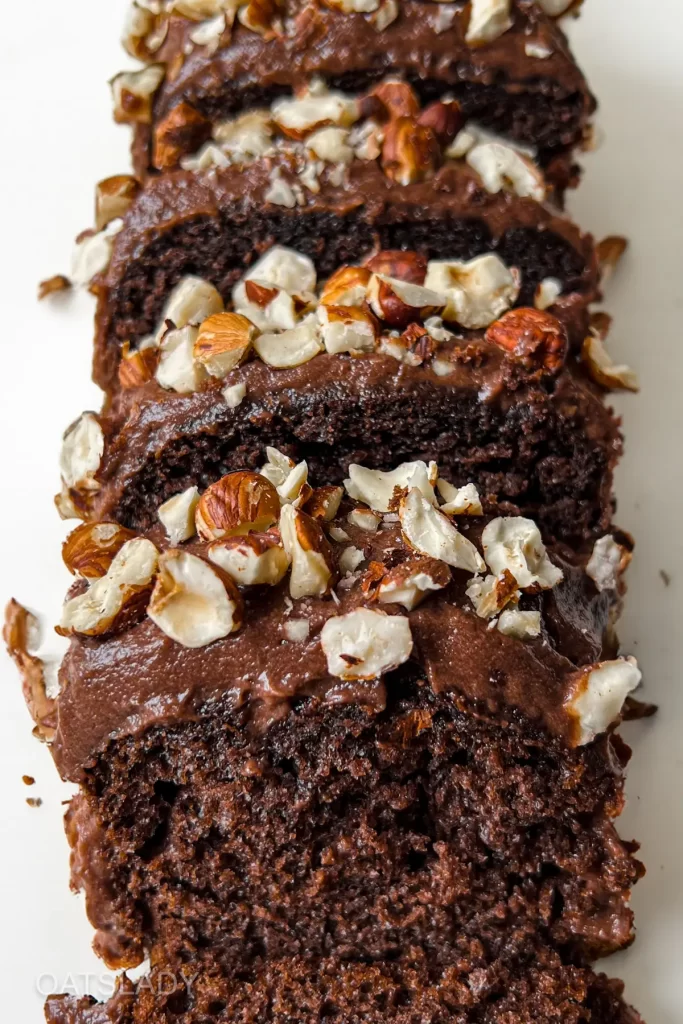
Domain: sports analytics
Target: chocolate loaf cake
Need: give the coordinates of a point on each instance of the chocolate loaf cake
(540, 991)
(372, 365)
(506, 63)
(359, 732)
(345, 735)
(215, 222)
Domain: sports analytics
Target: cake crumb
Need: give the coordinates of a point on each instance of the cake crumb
(34, 801)
(28, 780)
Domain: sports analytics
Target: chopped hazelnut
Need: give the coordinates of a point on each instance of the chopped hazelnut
(177, 515)
(192, 602)
(129, 577)
(237, 504)
(364, 644)
(515, 544)
(429, 531)
(477, 292)
(91, 548)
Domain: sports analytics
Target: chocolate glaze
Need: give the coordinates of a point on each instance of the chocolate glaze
(120, 685)
(346, 50)
(216, 224)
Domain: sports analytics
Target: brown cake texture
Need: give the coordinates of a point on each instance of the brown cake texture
(541, 991)
(322, 763)
(509, 70)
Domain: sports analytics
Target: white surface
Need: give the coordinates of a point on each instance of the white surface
(54, 62)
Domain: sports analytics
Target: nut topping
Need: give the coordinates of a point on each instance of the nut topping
(599, 694)
(92, 254)
(379, 489)
(610, 252)
(314, 571)
(349, 560)
(133, 93)
(515, 544)
(294, 489)
(82, 450)
(183, 130)
(193, 603)
(531, 337)
(346, 287)
(331, 145)
(262, 16)
(353, 6)
(555, 7)
(609, 375)
(364, 644)
(177, 515)
(138, 25)
(277, 468)
(518, 624)
(489, 19)
(290, 348)
(364, 519)
(410, 582)
(245, 137)
(237, 504)
(190, 303)
(477, 292)
(347, 329)
(609, 561)
(234, 394)
(444, 118)
(177, 370)
(224, 342)
(91, 548)
(283, 269)
(500, 166)
(257, 559)
(113, 198)
(399, 303)
(395, 263)
(324, 503)
(429, 531)
(547, 293)
(398, 98)
(137, 366)
(129, 578)
(410, 152)
(19, 632)
(490, 595)
(299, 117)
(199, 10)
(54, 285)
(297, 631)
(459, 501)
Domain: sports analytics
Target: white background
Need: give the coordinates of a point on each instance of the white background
(58, 140)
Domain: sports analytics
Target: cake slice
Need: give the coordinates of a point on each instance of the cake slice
(396, 359)
(539, 991)
(335, 204)
(385, 723)
(505, 62)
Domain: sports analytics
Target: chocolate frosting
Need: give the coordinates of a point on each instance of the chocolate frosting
(120, 685)
(342, 48)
